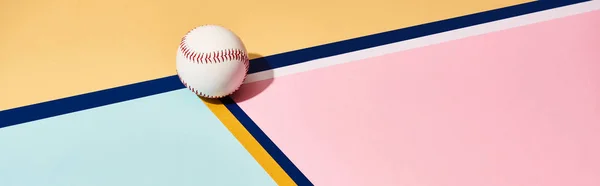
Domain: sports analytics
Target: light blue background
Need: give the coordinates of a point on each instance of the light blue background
(169, 139)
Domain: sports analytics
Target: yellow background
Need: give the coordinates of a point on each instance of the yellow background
(52, 49)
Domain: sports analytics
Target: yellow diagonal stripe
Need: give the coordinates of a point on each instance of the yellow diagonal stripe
(248, 141)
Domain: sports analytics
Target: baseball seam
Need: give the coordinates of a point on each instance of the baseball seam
(199, 93)
(214, 57)
(218, 56)
(195, 90)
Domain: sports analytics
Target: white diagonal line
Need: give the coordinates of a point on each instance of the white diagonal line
(485, 28)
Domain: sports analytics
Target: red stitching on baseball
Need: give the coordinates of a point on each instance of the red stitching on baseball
(212, 57)
(196, 91)
(206, 95)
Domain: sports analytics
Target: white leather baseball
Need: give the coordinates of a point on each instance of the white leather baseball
(212, 61)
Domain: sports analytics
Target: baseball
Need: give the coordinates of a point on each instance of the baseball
(212, 61)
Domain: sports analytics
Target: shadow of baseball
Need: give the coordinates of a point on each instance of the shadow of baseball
(249, 90)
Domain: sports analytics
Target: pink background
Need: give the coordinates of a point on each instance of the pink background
(516, 107)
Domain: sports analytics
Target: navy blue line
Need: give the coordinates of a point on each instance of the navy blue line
(114, 95)
(147, 88)
(262, 138)
(303, 55)
(341, 47)
(88, 101)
